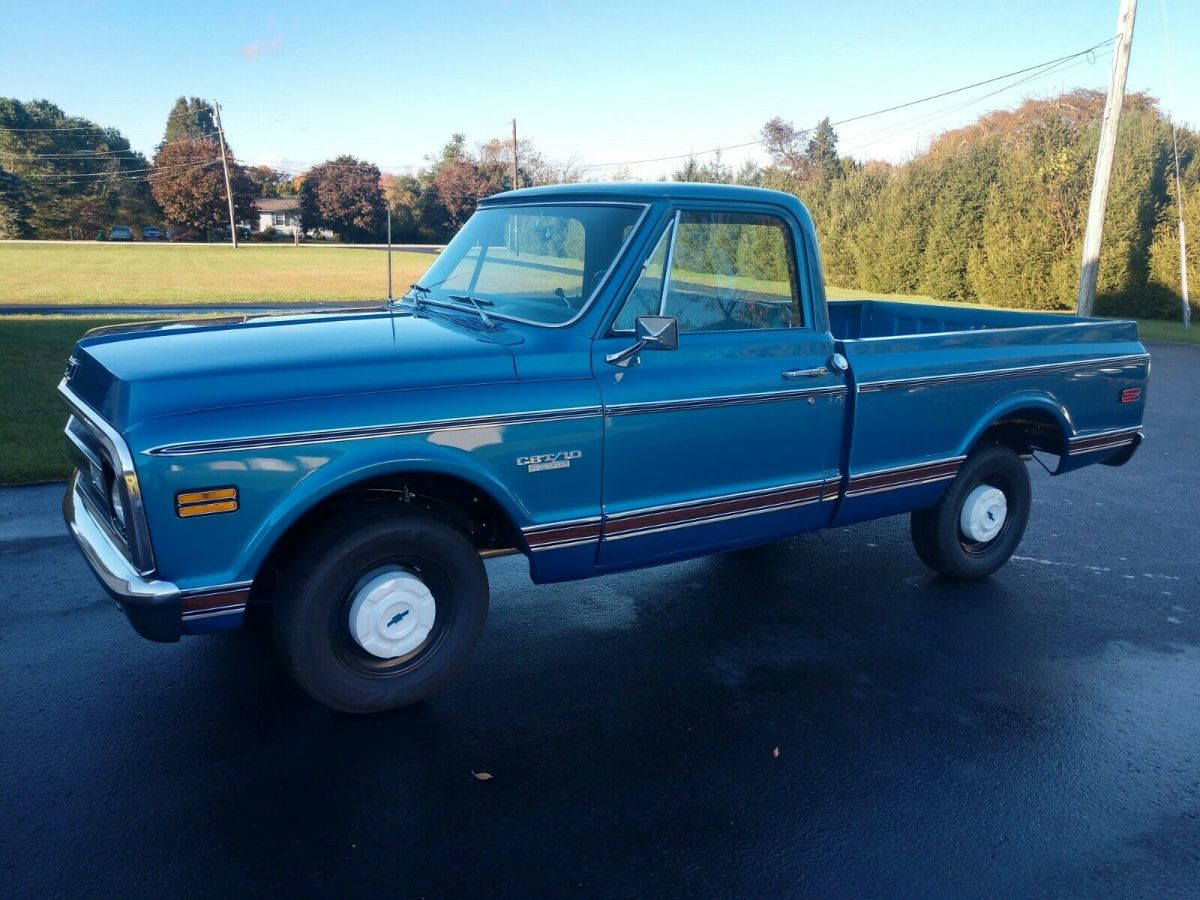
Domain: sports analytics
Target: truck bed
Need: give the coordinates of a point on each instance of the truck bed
(926, 378)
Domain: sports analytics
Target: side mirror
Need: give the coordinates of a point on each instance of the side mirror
(652, 333)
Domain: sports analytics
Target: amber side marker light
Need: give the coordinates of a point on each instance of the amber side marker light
(206, 503)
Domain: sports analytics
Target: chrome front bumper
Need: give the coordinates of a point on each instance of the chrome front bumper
(153, 606)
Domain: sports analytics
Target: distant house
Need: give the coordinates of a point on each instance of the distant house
(280, 213)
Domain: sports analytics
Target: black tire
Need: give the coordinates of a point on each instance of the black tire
(937, 535)
(311, 615)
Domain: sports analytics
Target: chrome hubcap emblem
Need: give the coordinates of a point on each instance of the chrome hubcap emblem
(392, 613)
(983, 513)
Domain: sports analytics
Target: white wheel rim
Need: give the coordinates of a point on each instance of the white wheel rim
(392, 613)
(983, 513)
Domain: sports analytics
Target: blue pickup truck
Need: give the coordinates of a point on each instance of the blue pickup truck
(599, 377)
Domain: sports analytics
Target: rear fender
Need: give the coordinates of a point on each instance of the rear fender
(1016, 403)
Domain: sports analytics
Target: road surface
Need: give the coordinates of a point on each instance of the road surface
(822, 717)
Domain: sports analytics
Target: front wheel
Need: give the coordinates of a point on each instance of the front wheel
(380, 608)
(980, 521)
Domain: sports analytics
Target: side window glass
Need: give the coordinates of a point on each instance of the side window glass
(643, 300)
(732, 272)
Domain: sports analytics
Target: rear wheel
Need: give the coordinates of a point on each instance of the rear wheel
(380, 608)
(979, 522)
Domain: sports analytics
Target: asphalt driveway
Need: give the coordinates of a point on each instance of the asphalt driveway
(821, 717)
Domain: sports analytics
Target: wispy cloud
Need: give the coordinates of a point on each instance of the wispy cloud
(259, 49)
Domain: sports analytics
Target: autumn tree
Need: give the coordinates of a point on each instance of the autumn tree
(188, 183)
(344, 195)
(460, 185)
(533, 167)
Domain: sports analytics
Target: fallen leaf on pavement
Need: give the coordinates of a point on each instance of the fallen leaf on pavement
(487, 776)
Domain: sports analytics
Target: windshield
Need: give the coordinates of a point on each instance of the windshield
(538, 264)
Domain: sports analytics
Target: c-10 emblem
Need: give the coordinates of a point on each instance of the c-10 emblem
(546, 461)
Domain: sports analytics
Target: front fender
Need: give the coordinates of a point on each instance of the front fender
(322, 483)
(277, 483)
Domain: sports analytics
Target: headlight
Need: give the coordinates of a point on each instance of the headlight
(116, 503)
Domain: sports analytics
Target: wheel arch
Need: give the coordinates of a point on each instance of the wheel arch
(433, 483)
(1024, 423)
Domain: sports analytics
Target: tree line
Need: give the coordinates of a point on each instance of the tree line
(63, 176)
(992, 213)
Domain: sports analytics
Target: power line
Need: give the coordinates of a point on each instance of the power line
(896, 128)
(63, 128)
(123, 174)
(877, 112)
(87, 153)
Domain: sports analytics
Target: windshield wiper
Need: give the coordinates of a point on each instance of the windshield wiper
(418, 292)
(478, 304)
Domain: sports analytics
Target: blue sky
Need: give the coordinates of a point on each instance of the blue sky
(609, 82)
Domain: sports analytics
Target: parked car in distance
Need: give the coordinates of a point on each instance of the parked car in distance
(120, 233)
(150, 233)
(599, 377)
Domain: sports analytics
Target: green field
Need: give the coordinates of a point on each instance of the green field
(82, 273)
(33, 354)
(162, 274)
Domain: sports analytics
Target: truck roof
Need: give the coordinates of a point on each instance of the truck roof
(652, 190)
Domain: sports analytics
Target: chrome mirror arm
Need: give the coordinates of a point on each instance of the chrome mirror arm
(654, 333)
(628, 357)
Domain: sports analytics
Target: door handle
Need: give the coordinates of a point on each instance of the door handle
(806, 373)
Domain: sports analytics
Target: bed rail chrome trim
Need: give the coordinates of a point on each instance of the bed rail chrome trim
(868, 387)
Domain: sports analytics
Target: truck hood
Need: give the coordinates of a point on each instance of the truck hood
(133, 373)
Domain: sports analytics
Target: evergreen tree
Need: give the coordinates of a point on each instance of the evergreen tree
(190, 119)
(74, 177)
(14, 211)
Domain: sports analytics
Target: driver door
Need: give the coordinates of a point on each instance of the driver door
(723, 441)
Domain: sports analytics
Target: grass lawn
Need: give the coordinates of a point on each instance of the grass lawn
(34, 350)
(84, 273)
(33, 354)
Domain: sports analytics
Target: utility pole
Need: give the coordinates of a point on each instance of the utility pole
(516, 237)
(389, 252)
(225, 166)
(1086, 300)
(516, 172)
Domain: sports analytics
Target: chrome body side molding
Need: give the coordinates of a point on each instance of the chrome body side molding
(324, 436)
(868, 387)
(632, 409)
